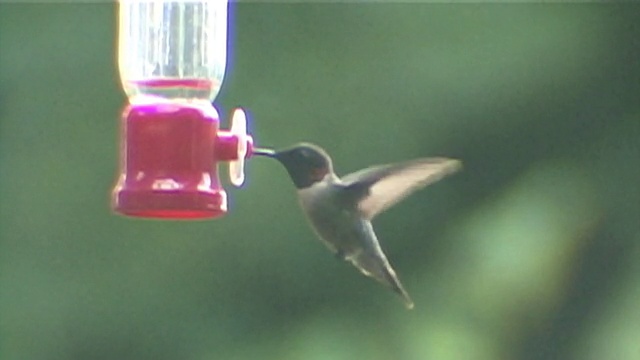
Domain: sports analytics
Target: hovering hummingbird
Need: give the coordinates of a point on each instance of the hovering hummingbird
(340, 210)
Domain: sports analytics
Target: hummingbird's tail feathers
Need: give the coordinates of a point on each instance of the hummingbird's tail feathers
(393, 282)
(379, 269)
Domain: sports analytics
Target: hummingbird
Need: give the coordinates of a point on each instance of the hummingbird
(340, 209)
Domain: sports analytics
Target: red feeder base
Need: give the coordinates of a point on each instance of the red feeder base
(168, 167)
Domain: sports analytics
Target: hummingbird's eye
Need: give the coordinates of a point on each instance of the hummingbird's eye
(305, 153)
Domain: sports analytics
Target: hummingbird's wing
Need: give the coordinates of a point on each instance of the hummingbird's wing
(377, 188)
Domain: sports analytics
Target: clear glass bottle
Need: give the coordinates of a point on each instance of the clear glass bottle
(172, 50)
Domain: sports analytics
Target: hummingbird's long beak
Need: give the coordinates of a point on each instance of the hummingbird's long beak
(264, 152)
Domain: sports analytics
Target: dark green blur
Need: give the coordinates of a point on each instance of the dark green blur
(531, 252)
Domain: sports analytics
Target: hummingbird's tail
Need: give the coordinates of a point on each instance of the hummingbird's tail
(377, 266)
(394, 283)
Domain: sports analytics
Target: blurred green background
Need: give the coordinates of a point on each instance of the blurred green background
(532, 252)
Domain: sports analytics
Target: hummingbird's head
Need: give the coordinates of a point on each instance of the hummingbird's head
(306, 163)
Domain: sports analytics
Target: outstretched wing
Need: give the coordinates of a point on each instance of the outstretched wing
(375, 189)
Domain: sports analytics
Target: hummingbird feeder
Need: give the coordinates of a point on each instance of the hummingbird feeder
(172, 58)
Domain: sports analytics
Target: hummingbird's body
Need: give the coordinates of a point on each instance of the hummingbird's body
(346, 233)
(340, 210)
